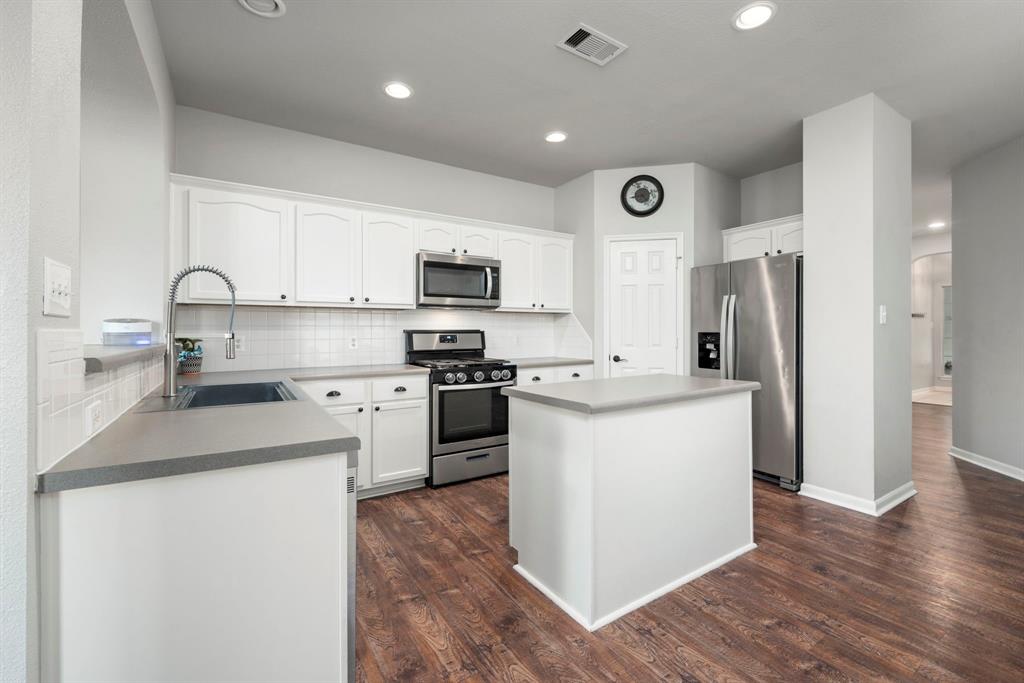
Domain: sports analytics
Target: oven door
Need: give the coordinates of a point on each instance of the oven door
(458, 281)
(468, 416)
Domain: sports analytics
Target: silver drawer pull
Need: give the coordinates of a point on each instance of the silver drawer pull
(400, 389)
(536, 379)
(334, 393)
(477, 457)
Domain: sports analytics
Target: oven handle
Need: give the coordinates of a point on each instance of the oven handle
(464, 387)
(490, 282)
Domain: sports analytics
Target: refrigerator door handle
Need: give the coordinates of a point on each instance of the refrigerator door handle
(722, 336)
(730, 338)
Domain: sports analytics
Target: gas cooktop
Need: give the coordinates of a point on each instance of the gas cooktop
(450, 363)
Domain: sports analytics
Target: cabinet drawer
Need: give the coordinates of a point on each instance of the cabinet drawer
(404, 388)
(529, 377)
(329, 392)
(574, 373)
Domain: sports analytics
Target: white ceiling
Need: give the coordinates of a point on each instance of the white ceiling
(489, 81)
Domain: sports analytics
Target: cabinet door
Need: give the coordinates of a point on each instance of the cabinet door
(356, 419)
(399, 441)
(789, 238)
(748, 244)
(439, 237)
(574, 373)
(478, 242)
(389, 260)
(328, 254)
(247, 236)
(554, 260)
(518, 284)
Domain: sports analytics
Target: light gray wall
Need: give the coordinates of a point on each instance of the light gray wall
(124, 176)
(716, 206)
(574, 212)
(936, 243)
(921, 361)
(772, 194)
(856, 189)
(988, 310)
(227, 148)
(40, 49)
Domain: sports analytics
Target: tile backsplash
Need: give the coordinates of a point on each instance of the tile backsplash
(64, 393)
(268, 337)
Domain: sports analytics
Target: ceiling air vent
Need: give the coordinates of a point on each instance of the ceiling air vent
(591, 45)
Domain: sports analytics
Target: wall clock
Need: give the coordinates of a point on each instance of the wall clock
(642, 195)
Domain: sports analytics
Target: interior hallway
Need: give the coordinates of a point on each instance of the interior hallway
(931, 590)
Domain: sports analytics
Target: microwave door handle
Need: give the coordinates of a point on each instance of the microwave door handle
(490, 282)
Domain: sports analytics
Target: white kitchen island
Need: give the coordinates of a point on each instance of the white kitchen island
(623, 489)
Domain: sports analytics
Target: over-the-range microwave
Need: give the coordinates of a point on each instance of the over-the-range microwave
(452, 281)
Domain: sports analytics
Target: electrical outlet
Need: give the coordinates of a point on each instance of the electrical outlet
(93, 414)
(239, 342)
(56, 288)
(353, 343)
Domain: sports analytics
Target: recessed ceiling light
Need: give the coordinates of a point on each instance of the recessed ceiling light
(398, 90)
(754, 15)
(556, 136)
(268, 9)
(937, 225)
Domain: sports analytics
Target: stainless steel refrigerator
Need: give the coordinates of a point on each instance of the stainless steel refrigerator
(746, 324)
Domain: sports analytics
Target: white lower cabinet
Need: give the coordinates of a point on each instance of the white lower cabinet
(573, 373)
(390, 417)
(400, 441)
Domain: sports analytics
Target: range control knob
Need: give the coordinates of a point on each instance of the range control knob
(495, 375)
(461, 377)
(449, 378)
(478, 376)
(506, 374)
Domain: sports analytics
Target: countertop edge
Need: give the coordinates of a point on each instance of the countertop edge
(54, 482)
(527, 363)
(617, 406)
(100, 358)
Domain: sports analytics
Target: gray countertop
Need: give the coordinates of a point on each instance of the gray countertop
(550, 362)
(623, 393)
(100, 357)
(145, 445)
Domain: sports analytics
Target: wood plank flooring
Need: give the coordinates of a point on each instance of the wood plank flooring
(934, 590)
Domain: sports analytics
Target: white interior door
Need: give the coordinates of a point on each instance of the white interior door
(642, 307)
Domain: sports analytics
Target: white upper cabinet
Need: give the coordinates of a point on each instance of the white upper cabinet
(518, 278)
(247, 236)
(328, 254)
(554, 260)
(389, 260)
(481, 242)
(439, 237)
(769, 238)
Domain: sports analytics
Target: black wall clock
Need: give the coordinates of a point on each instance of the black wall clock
(642, 195)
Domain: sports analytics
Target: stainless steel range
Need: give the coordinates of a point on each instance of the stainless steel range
(468, 414)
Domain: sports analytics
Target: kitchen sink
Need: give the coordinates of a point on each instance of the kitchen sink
(207, 395)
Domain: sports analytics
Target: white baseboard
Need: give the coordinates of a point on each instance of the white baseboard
(875, 508)
(988, 463)
(639, 602)
(921, 391)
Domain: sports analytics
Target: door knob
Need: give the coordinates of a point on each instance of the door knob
(620, 359)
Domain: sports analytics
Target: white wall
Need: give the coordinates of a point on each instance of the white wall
(226, 148)
(124, 175)
(772, 194)
(41, 49)
(857, 200)
(936, 243)
(716, 206)
(574, 212)
(921, 352)
(988, 311)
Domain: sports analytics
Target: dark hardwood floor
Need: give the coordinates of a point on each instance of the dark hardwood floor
(932, 590)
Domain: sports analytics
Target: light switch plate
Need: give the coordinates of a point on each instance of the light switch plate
(883, 315)
(56, 288)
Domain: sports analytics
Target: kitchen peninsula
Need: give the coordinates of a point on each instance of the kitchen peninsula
(623, 489)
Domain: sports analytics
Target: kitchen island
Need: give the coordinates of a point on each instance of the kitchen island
(623, 489)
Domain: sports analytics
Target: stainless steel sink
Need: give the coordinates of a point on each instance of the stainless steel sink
(211, 395)
(207, 395)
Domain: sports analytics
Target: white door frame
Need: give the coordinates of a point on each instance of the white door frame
(682, 298)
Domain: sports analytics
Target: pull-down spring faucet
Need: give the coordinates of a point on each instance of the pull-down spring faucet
(171, 356)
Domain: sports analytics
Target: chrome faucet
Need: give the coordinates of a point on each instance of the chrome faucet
(171, 355)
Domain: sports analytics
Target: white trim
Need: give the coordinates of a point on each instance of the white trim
(988, 463)
(875, 508)
(213, 183)
(771, 223)
(639, 602)
(682, 296)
